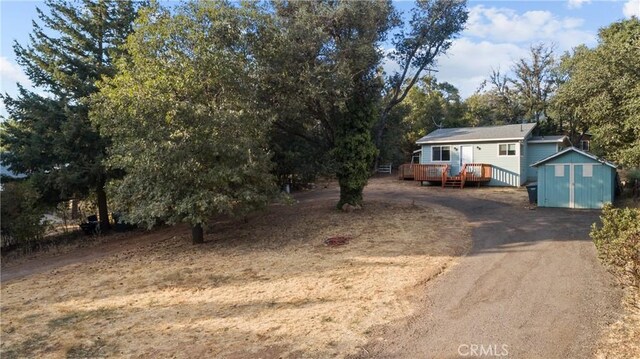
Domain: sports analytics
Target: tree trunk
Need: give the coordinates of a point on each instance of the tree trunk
(378, 136)
(349, 194)
(197, 235)
(103, 211)
(75, 212)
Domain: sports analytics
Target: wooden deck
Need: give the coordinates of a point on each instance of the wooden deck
(471, 173)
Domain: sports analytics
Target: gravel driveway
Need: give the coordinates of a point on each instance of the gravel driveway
(532, 286)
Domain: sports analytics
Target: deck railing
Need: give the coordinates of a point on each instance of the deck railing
(470, 172)
(475, 172)
(430, 172)
(405, 171)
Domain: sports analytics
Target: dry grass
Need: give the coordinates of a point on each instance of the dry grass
(622, 338)
(269, 288)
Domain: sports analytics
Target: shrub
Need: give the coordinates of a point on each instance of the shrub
(21, 214)
(618, 242)
(633, 175)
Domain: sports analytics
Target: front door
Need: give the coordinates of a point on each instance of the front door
(466, 155)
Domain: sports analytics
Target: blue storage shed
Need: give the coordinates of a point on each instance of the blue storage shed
(573, 178)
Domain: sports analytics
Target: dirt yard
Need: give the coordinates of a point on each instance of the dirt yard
(268, 288)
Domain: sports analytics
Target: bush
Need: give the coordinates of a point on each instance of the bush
(618, 242)
(633, 175)
(21, 214)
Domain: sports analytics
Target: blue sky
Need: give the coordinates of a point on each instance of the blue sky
(498, 32)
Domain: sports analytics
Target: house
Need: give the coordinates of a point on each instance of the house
(573, 178)
(505, 153)
(540, 147)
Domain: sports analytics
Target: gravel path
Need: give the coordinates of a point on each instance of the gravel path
(532, 286)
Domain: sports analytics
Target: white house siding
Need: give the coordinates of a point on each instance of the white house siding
(505, 171)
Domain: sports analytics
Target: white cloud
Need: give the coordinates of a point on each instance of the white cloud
(507, 25)
(631, 8)
(576, 4)
(496, 37)
(468, 63)
(11, 73)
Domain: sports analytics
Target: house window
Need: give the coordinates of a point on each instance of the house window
(507, 149)
(587, 170)
(584, 145)
(441, 153)
(559, 170)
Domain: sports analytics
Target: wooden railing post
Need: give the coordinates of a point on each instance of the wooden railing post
(463, 175)
(445, 168)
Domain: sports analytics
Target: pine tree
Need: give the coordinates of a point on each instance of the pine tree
(50, 137)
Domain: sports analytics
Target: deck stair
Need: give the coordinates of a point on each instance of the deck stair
(452, 181)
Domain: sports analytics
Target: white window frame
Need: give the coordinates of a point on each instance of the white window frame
(515, 147)
(441, 146)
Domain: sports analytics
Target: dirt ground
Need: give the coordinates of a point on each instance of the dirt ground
(530, 285)
(266, 289)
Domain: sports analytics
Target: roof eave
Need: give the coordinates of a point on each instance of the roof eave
(472, 140)
(605, 162)
(560, 140)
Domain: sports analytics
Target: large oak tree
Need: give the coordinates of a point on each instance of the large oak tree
(603, 91)
(182, 112)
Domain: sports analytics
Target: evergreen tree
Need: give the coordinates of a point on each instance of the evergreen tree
(49, 137)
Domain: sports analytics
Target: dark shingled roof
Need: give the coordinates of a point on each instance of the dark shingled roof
(471, 134)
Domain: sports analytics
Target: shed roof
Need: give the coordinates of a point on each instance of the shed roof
(547, 139)
(569, 149)
(478, 134)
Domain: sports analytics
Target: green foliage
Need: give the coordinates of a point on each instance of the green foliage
(395, 148)
(526, 95)
(355, 150)
(633, 175)
(50, 137)
(603, 91)
(481, 111)
(428, 106)
(501, 102)
(535, 82)
(22, 214)
(319, 73)
(618, 242)
(183, 118)
(563, 105)
(433, 26)
(317, 64)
